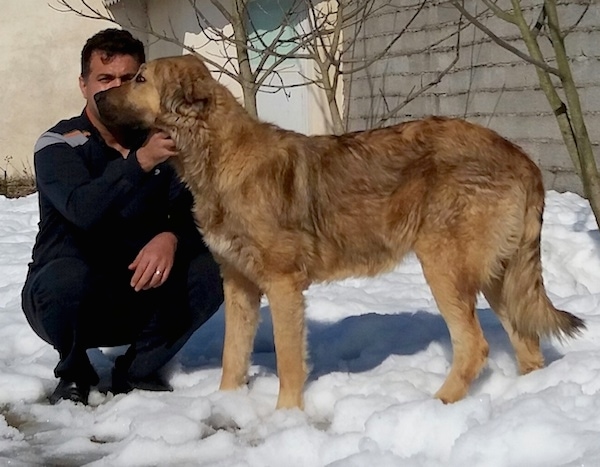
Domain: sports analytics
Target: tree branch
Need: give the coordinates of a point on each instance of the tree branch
(501, 42)
(413, 95)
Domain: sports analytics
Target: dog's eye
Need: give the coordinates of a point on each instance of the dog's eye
(140, 79)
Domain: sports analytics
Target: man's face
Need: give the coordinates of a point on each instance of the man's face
(105, 74)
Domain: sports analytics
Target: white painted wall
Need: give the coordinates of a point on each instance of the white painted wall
(39, 68)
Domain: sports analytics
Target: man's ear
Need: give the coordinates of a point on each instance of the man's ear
(82, 86)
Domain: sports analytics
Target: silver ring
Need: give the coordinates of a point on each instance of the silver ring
(158, 272)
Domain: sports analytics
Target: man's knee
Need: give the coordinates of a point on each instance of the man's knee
(60, 280)
(52, 296)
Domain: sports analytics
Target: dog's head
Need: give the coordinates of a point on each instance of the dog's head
(179, 86)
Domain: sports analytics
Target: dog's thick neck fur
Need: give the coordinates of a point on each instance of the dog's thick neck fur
(194, 134)
(221, 133)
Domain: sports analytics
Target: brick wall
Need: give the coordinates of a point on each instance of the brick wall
(488, 84)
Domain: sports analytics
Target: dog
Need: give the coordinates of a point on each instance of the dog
(280, 210)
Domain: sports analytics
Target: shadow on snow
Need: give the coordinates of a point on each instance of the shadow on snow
(354, 344)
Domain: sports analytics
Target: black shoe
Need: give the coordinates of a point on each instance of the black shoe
(70, 390)
(122, 383)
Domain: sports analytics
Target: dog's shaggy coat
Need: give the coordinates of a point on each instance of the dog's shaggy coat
(280, 210)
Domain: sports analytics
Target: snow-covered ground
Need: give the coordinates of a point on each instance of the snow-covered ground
(378, 348)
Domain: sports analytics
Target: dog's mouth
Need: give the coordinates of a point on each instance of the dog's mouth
(129, 131)
(130, 138)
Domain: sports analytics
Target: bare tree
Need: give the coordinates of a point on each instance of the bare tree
(331, 49)
(561, 93)
(317, 33)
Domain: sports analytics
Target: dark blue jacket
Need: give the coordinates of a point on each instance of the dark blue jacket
(99, 206)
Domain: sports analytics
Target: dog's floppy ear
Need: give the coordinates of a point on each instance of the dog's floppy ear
(188, 92)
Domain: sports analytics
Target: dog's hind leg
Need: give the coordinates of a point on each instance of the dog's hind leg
(454, 287)
(287, 310)
(527, 349)
(242, 301)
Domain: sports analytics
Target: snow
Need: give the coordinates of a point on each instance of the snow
(378, 351)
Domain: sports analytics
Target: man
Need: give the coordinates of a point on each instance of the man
(118, 258)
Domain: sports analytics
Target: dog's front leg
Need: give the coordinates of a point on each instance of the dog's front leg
(242, 301)
(287, 309)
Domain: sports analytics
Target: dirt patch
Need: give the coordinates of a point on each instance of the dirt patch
(15, 187)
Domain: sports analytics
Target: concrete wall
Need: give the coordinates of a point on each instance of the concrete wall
(39, 69)
(488, 84)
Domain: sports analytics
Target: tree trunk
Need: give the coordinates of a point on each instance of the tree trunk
(247, 78)
(585, 154)
(570, 115)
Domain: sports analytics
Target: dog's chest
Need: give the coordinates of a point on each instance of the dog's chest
(220, 244)
(238, 250)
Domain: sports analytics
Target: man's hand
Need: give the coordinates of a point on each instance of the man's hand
(152, 265)
(157, 148)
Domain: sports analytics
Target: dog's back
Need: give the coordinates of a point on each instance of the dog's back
(374, 193)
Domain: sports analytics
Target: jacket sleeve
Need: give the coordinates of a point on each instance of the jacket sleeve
(63, 177)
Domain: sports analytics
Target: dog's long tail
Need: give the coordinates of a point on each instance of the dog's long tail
(529, 310)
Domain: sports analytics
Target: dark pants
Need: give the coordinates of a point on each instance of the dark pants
(75, 308)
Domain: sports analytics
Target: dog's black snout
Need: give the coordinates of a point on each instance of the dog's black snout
(103, 105)
(99, 96)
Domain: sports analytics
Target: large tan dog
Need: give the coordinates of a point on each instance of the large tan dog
(281, 210)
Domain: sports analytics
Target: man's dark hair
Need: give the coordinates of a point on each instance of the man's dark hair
(111, 42)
